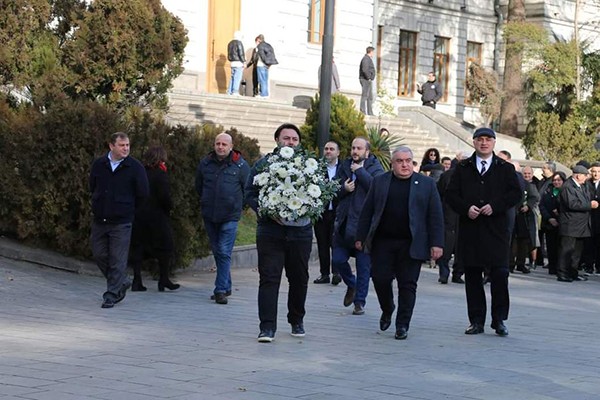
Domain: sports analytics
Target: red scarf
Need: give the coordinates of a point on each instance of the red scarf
(162, 166)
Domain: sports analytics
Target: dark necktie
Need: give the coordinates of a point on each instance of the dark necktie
(483, 167)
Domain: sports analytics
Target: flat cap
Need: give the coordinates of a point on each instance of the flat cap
(484, 132)
(580, 169)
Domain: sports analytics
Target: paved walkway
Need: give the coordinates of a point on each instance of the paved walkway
(57, 343)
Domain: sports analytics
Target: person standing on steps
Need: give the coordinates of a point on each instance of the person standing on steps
(366, 75)
(431, 91)
(220, 183)
(118, 185)
(237, 58)
(152, 233)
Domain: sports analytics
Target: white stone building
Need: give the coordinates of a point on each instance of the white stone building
(411, 37)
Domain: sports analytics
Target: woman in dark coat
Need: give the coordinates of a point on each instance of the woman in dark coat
(549, 208)
(152, 235)
(431, 157)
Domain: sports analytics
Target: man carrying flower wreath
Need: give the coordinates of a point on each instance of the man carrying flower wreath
(287, 189)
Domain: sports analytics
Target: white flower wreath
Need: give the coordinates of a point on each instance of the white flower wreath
(294, 186)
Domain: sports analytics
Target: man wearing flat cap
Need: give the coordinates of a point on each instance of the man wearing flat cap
(482, 189)
(574, 223)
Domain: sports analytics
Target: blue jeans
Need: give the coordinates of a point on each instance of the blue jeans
(339, 262)
(222, 239)
(263, 80)
(236, 79)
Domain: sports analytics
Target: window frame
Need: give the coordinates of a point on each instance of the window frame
(410, 71)
(311, 21)
(468, 61)
(441, 64)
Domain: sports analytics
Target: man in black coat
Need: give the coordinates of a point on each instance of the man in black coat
(481, 191)
(574, 223)
(594, 184)
(401, 225)
(431, 91)
(366, 75)
(355, 176)
(119, 185)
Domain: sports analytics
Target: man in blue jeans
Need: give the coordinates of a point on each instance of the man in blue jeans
(237, 58)
(355, 175)
(220, 181)
(262, 59)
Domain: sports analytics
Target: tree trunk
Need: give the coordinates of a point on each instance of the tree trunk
(513, 85)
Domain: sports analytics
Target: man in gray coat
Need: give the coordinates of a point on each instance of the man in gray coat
(574, 223)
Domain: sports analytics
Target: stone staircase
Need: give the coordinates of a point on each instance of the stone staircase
(259, 118)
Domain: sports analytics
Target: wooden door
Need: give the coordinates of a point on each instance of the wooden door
(223, 21)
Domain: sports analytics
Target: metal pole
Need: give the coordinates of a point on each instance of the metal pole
(325, 87)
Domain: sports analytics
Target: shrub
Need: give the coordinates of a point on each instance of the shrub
(346, 123)
(47, 157)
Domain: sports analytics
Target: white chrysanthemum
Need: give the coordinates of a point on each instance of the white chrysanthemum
(261, 179)
(294, 203)
(286, 152)
(298, 162)
(282, 173)
(314, 190)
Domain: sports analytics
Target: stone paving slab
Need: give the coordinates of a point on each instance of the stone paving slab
(57, 343)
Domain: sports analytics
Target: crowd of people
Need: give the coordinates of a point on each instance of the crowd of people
(479, 215)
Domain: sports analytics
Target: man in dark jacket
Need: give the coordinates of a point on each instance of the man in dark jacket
(481, 191)
(262, 59)
(280, 244)
(401, 225)
(237, 58)
(355, 176)
(366, 75)
(431, 91)
(220, 182)
(119, 185)
(594, 184)
(576, 202)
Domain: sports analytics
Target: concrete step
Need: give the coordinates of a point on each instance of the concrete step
(258, 118)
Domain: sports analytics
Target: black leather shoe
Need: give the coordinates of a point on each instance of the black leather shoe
(322, 279)
(266, 336)
(107, 303)
(336, 279)
(123, 292)
(443, 281)
(457, 279)
(474, 329)
(401, 334)
(349, 296)
(580, 278)
(523, 269)
(227, 293)
(220, 298)
(561, 278)
(385, 321)
(500, 328)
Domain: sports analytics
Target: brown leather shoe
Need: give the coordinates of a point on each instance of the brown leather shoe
(349, 296)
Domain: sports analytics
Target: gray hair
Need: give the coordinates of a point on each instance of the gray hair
(402, 149)
(551, 165)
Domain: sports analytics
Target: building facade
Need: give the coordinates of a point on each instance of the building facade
(411, 37)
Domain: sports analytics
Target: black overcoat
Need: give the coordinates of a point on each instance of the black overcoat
(152, 226)
(484, 241)
(575, 206)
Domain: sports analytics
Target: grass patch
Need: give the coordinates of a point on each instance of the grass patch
(246, 232)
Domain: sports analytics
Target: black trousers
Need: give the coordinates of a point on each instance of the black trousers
(391, 259)
(275, 254)
(569, 256)
(476, 302)
(324, 234)
(552, 246)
